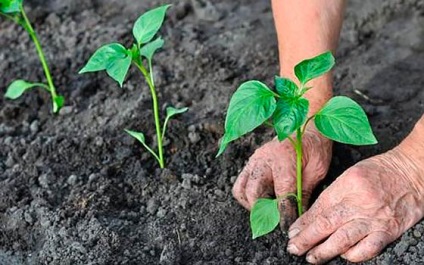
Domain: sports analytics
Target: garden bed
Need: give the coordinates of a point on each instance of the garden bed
(76, 189)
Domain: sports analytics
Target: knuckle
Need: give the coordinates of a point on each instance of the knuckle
(374, 247)
(322, 224)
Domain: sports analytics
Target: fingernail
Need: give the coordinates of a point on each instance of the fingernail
(293, 232)
(311, 259)
(292, 249)
(343, 256)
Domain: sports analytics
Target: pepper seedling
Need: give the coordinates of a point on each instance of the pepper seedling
(116, 60)
(14, 10)
(341, 119)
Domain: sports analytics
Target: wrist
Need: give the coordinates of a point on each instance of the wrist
(413, 145)
(412, 150)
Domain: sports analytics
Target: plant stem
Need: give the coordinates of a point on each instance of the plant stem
(155, 112)
(28, 27)
(299, 154)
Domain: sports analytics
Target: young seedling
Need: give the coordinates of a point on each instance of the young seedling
(13, 10)
(116, 60)
(253, 104)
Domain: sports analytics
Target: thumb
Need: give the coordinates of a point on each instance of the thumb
(285, 188)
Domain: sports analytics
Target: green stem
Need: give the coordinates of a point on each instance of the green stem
(306, 124)
(164, 127)
(28, 27)
(155, 112)
(299, 171)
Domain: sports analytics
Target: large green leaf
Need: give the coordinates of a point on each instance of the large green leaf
(18, 87)
(10, 6)
(148, 24)
(289, 116)
(285, 87)
(314, 67)
(343, 120)
(250, 106)
(264, 217)
(150, 48)
(114, 58)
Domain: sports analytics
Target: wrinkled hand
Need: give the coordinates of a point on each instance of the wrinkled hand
(272, 171)
(366, 208)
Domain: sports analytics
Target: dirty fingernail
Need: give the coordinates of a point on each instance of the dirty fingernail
(293, 232)
(311, 259)
(292, 249)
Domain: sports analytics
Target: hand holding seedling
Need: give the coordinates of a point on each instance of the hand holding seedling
(375, 201)
(271, 170)
(286, 110)
(13, 10)
(116, 60)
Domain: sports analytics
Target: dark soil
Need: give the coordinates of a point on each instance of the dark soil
(75, 189)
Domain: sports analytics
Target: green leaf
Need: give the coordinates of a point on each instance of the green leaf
(114, 58)
(285, 87)
(251, 105)
(150, 48)
(10, 6)
(170, 111)
(58, 102)
(314, 67)
(264, 217)
(344, 121)
(18, 87)
(289, 116)
(148, 24)
(137, 135)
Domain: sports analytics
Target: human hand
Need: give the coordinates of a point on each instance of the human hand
(271, 170)
(366, 208)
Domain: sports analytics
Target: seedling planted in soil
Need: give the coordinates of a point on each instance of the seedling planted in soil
(13, 10)
(116, 60)
(286, 109)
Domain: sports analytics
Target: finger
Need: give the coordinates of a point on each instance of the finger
(288, 214)
(369, 247)
(259, 183)
(284, 185)
(306, 218)
(239, 188)
(319, 229)
(339, 242)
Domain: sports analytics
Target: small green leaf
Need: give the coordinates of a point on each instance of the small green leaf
(114, 58)
(170, 111)
(251, 105)
(314, 67)
(10, 6)
(264, 217)
(137, 135)
(150, 48)
(289, 115)
(18, 87)
(285, 87)
(344, 121)
(148, 24)
(58, 102)
(119, 69)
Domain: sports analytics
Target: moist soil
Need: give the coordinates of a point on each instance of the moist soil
(75, 189)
